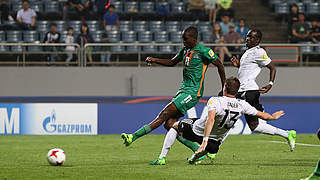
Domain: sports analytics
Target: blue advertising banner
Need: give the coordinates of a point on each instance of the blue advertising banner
(130, 114)
(48, 118)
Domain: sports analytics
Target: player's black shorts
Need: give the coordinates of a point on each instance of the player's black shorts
(252, 97)
(185, 126)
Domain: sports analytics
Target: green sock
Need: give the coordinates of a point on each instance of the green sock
(193, 146)
(142, 131)
(317, 170)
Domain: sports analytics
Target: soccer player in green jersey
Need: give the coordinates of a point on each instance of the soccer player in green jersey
(195, 58)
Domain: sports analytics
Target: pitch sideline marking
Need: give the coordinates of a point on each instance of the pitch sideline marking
(301, 144)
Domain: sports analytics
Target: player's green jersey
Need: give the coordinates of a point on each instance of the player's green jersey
(195, 62)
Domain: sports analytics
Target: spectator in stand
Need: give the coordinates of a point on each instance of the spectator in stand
(225, 9)
(232, 37)
(211, 8)
(26, 17)
(52, 37)
(242, 29)
(300, 30)
(225, 24)
(85, 37)
(69, 49)
(4, 11)
(105, 57)
(102, 6)
(217, 37)
(82, 7)
(292, 18)
(111, 19)
(196, 8)
(315, 31)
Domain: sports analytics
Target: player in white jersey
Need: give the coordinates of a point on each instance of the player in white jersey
(210, 130)
(250, 64)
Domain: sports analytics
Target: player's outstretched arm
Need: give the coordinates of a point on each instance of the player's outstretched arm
(164, 62)
(267, 116)
(221, 71)
(273, 71)
(235, 62)
(207, 130)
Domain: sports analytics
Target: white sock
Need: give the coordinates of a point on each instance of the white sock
(168, 142)
(265, 128)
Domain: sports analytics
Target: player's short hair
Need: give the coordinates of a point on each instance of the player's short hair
(232, 85)
(259, 33)
(192, 31)
(27, 1)
(69, 28)
(53, 24)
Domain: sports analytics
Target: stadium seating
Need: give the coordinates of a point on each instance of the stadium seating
(156, 26)
(145, 37)
(30, 36)
(140, 26)
(146, 7)
(114, 36)
(14, 36)
(125, 26)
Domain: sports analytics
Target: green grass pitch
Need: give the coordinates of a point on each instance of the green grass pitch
(104, 157)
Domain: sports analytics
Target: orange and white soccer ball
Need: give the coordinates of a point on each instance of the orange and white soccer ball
(56, 157)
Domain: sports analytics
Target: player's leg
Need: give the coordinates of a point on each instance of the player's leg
(191, 145)
(260, 126)
(316, 173)
(169, 140)
(169, 111)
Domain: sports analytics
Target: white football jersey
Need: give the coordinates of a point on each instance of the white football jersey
(228, 111)
(250, 66)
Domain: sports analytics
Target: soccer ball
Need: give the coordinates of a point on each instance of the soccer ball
(56, 157)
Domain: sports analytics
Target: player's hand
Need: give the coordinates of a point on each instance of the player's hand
(265, 89)
(149, 60)
(235, 61)
(202, 146)
(278, 114)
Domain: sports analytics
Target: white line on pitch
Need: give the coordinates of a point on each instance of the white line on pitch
(301, 144)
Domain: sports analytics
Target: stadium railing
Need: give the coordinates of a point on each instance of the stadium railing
(291, 54)
(294, 54)
(22, 52)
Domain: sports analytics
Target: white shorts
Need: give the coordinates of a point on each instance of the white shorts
(211, 4)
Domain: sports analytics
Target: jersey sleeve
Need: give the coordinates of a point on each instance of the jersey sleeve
(179, 55)
(208, 54)
(248, 109)
(262, 58)
(213, 104)
(19, 14)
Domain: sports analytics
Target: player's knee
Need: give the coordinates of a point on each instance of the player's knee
(253, 126)
(167, 126)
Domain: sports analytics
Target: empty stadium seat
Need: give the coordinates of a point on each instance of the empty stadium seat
(176, 37)
(117, 49)
(178, 8)
(145, 37)
(61, 25)
(14, 36)
(149, 49)
(18, 48)
(166, 49)
(16, 6)
(125, 26)
(37, 6)
(156, 26)
(313, 8)
(97, 36)
(172, 26)
(118, 6)
(282, 8)
(161, 37)
(186, 24)
(204, 26)
(130, 6)
(140, 26)
(51, 6)
(130, 37)
(2, 36)
(30, 36)
(93, 25)
(146, 7)
(205, 37)
(114, 36)
(42, 26)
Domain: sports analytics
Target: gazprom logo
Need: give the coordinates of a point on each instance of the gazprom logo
(9, 124)
(50, 125)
